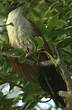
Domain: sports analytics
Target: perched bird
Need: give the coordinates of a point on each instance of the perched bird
(20, 34)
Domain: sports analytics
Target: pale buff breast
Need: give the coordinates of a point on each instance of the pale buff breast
(20, 32)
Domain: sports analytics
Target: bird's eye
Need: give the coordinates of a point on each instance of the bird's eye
(14, 6)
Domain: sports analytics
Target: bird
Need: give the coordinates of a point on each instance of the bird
(19, 35)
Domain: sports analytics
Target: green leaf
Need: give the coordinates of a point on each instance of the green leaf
(22, 58)
(67, 52)
(39, 41)
(52, 21)
(5, 66)
(64, 42)
(32, 90)
(58, 32)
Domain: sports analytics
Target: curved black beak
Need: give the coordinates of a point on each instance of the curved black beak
(21, 4)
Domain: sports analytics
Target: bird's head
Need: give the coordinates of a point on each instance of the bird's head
(14, 6)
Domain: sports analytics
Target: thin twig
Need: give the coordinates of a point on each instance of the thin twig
(11, 82)
(6, 24)
(64, 70)
(10, 55)
(28, 61)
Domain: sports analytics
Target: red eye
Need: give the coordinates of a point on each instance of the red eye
(14, 6)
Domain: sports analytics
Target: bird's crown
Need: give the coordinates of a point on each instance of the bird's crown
(14, 5)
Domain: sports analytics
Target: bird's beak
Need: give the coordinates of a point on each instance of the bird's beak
(21, 4)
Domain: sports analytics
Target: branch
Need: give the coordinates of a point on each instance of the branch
(11, 82)
(65, 93)
(28, 61)
(64, 70)
(10, 55)
(6, 25)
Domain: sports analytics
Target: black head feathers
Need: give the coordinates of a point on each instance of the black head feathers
(14, 5)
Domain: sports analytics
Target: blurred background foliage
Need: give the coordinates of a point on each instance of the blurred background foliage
(54, 20)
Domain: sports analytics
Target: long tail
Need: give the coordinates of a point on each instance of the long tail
(52, 82)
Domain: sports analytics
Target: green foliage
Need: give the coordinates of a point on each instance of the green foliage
(54, 20)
